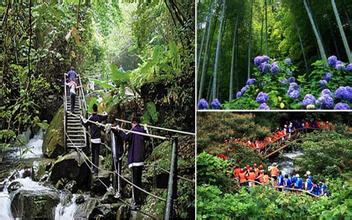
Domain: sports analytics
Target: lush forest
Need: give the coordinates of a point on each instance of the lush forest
(134, 58)
(326, 154)
(285, 49)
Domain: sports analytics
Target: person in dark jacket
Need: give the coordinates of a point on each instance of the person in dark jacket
(117, 149)
(95, 135)
(136, 156)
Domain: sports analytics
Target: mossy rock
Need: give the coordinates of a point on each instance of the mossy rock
(53, 144)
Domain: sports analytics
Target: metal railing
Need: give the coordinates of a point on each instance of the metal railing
(65, 112)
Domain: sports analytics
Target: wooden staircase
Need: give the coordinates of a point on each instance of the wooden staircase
(75, 132)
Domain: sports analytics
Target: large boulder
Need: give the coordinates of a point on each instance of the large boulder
(53, 143)
(71, 167)
(34, 204)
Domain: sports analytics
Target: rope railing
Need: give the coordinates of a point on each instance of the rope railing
(86, 158)
(160, 128)
(122, 129)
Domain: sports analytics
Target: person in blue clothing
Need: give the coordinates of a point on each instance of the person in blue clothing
(287, 181)
(323, 188)
(293, 181)
(280, 181)
(72, 75)
(299, 182)
(309, 184)
(316, 190)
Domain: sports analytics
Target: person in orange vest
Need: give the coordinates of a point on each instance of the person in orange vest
(274, 172)
(243, 178)
(256, 170)
(265, 179)
(237, 171)
(251, 177)
(326, 125)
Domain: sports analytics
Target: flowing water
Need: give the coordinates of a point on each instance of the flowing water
(34, 147)
(66, 212)
(286, 164)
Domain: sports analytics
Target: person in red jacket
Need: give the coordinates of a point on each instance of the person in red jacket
(251, 177)
(243, 179)
(237, 171)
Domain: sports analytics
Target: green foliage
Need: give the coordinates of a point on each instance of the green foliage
(322, 154)
(150, 115)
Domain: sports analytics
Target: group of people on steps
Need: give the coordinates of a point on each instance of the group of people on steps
(136, 142)
(253, 175)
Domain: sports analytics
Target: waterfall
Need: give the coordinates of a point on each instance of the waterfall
(5, 205)
(286, 164)
(34, 146)
(67, 212)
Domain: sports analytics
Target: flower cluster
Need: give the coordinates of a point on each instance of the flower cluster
(293, 91)
(344, 93)
(339, 65)
(203, 104)
(308, 100)
(215, 104)
(262, 98)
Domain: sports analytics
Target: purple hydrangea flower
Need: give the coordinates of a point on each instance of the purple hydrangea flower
(244, 89)
(288, 61)
(264, 67)
(203, 104)
(344, 93)
(326, 92)
(284, 81)
(258, 60)
(332, 61)
(326, 102)
(323, 83)
(239, 94)
(264, 106)
(250, 82)
(274, 68)
(292, 79)
(215, 104)
(265, 58)
(349, 67)
(340, 65)
(293, 91)
(327, 77)
(308, 100)
(262, 97)
(342, 106)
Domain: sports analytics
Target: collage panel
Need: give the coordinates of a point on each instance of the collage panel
(274, 165)
(97, 116)
(274, 55)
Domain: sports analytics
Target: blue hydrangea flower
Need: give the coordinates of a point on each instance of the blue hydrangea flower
(308, 100)
(239, 94)
(274, 68)
(293, 91)
(326, 92)
(264, 106)
(215, 104)
(284, 81)
(262, 97)
(349, 67)
(344, 93)
(292, 79)
(342, 106)
(327, 77)
(250, 82)
(288, 61)
(264, 67)
(258, 60)
(332, 61)
(265, 58)
(244, 89)
(323, 83)
(326, 102)
(203, 104)
(340, 65)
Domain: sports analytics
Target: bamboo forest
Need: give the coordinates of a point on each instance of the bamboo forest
(97, 109)
(274, 54)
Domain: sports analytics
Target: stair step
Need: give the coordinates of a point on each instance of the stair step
(76, 145)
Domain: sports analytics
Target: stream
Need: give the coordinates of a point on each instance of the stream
(286, 161)
(33, 155)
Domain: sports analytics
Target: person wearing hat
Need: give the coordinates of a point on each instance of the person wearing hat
(274, 172)
(256, 170)
(309, 184)
(242, 177)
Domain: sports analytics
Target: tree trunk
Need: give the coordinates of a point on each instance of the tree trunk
(250, 42)
(316, 31)
(233, 60)
(302, 47)
(206, 57)
(266, 27)
(218, 47)
(342, 32)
